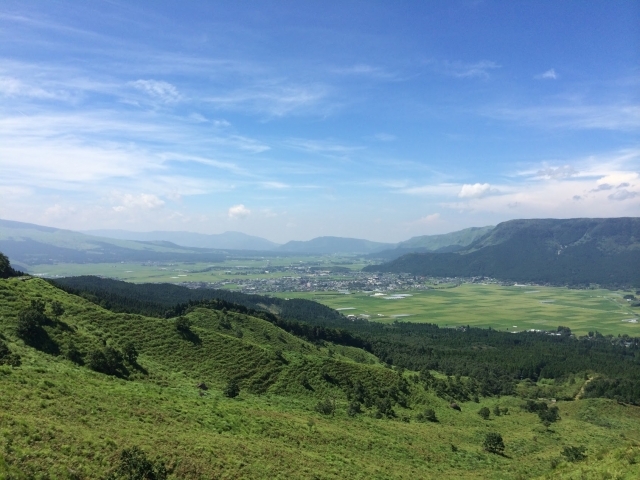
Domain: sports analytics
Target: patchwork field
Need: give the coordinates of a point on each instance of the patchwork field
(245, 268)
(503, 308)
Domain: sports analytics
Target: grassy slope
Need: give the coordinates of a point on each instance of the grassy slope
(57, 418)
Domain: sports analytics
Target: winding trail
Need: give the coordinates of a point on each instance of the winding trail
(581, 392)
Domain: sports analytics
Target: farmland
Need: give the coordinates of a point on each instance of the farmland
(513, 308)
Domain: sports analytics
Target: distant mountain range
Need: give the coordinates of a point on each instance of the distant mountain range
(30, 244)
(575, 251)
(332, 245)
(448, 242)
(226, 240)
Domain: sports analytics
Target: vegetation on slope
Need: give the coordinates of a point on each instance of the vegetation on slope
(559, 252)
(216, 393)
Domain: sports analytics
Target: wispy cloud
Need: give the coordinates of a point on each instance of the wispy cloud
(481, 69)
(158, 90)
(548, 75)
(580, 117)
(477, 190)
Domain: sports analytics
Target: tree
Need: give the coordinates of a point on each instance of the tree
(496, 411)
(549, 415)
(232, 389)
(130, 353)
(574, 454)
(354, 409)
(326, 407)
(493, 443)
(29, 323)
(484, 413)
(57, 310)
(183, 324)
(134, 465)
(429, 415)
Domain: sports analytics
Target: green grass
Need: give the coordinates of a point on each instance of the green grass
(59, 420)
(178, 272)
(502, 308)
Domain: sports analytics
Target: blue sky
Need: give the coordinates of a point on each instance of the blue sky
(290, 120)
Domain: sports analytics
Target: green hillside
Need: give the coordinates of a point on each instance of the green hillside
(88, 393)
(559, 252)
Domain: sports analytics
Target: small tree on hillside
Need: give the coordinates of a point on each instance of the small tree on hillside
(183, 324)
(484, 413)
(493, 443)
(130, 353)
(134, 465)
(232, 389)
(57, 310)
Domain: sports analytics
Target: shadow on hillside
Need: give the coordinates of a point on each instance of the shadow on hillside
(40, 340)
(191, 336)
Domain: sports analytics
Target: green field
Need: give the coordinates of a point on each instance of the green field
(498, 307)
(178, 272)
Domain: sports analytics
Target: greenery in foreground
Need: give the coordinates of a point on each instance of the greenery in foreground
(215, 393)
(494, 362)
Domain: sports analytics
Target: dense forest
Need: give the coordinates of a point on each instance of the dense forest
(557, 252)
(495, 361)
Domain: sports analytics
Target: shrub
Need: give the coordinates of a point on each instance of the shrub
(493, 443)
(574, 454)
(549, 415)
(134, 465)
(130, 353)
(183, 324)
(8, 358)
(484, 413)
(353, 409)
(326, 407)
(429, 415)
(107, 360)
(30, 322)
(232, 389)
(57, 310)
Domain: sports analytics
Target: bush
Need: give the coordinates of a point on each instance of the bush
(130, 353)
(429, 415)
(183, 324)
(8, 358)
(134, 465)
(57, 310)
(30, 322)
(326, 407)
(574, 454)
(354, 409)
(549, 416)
(493, 443)
(484, 413)
(232, 390)
(107, 360)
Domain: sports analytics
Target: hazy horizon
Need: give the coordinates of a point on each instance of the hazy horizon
(290, 121)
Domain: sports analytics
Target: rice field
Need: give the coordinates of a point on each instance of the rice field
(514, 308)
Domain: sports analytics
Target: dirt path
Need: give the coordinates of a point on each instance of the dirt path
(581, 392)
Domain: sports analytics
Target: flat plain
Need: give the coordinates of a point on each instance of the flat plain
(514, 308)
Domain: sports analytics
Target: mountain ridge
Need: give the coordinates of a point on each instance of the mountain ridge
(571, 251)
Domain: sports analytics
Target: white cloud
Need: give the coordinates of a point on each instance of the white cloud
(548, 75)
(143, 201)
(434, 217)
(239, 211)
(158, 90)
(557, 172)
(477, 190)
